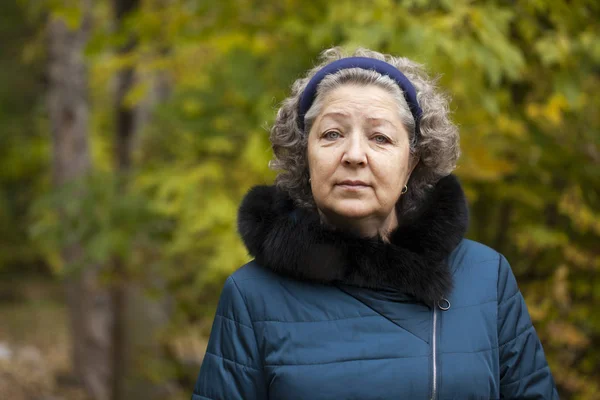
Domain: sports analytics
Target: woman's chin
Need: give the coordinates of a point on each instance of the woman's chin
(355, 210)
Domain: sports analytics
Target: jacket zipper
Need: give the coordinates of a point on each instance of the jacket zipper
(434, 349)
(445, 307)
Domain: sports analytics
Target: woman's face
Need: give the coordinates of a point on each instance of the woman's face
(358, 156)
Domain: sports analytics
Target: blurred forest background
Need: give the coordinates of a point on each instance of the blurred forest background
(130, 130)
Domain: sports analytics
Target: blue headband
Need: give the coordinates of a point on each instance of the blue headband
(410, 94)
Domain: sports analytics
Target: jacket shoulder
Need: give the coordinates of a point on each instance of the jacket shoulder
(253, 276)
(270, 296)
(476, 269)
(482, 257)
(472, 252)
(250, 284)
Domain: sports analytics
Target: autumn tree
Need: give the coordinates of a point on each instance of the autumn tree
(522, 75)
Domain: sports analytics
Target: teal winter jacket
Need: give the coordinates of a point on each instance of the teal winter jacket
(322, 314)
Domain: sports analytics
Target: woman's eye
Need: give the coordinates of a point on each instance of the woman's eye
(380, 139)
(332, 135)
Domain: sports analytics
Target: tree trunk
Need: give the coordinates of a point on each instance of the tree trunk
(147, 316)
(87, 301)
(137, 318)
(501, 242)
(125, 129)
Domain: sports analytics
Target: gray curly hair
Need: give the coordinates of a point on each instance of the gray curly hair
(437, 146)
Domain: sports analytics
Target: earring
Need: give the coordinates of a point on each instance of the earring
(308, 180)
(404, 189)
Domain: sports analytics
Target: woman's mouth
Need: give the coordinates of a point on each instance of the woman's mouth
(353, 185)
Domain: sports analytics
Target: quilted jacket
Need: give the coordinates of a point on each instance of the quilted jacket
(322, 314)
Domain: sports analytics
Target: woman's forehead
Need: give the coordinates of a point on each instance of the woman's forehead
(372, 118)
(373, 103)
(355, 89)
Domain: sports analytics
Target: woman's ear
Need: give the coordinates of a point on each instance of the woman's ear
(413, 162)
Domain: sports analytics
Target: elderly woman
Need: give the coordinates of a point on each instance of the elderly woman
(363, 286)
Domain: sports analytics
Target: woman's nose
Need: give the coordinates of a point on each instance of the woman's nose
(355, 152)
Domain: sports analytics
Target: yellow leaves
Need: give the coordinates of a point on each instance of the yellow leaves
(552, 112)
(221, 123)
(538, 237)
(188, 344)
(538, 311)
(191, 106)
(226, 42)
(572, 381)
(522, 193)
(137, 94)
(572, 205)
(560, 287)
(510, 126)
(72, 16)
(589, 40)
(205, 213)
(55, 261)
(150, 24)
(580, 258)
(476, 18)
(220, 145)
(262, 43)
(172, 186)
(554, 49)
(188, 65)
(491, 25)
(257, 153)
(117, 62)
(490, 168)
(562, 333)
(229, 41)
(227, 257)
(555, 108)
(479, 162)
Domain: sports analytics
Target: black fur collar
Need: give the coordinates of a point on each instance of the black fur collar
(292, 241)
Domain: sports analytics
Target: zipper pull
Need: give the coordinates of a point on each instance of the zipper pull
(443, 304)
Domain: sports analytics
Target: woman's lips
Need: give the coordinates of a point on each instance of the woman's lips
(353, 185)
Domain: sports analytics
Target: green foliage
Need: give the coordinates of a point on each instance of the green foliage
(108, 220)
(523, 76)
(23, 147)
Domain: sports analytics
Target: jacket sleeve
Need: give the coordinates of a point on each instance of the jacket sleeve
(524, 372)
(232, 367)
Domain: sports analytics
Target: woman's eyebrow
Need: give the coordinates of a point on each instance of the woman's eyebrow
(336, 115)
(379, 121)
(374, 121)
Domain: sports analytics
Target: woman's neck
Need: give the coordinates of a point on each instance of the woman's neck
(365, 227)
